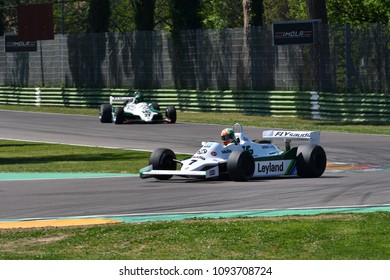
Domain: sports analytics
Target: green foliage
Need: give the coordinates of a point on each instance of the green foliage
(122, 17)
(75, 21)
(358, 11)
(217, 14)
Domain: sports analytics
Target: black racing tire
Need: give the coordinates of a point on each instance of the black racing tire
(105, 113)
(240, 165)
(119, 115)
(170, 113)
(311, 161)
(156, 106)
(163, 159)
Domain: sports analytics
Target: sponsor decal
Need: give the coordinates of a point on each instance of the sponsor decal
(226, 151)
(213, 153)
(267, 146)
(292, 134)
(200, 157)
(270, 167)
(202, 151)
(208, 145)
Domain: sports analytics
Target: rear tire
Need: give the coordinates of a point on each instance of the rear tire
(311, 161)
(105, 113)
(170, 113)
(240, 165)
(163, 159)
(119, 115)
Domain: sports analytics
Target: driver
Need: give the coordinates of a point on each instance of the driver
(227, 136)
(138, 97)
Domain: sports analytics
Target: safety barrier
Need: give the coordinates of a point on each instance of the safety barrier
(367, 107)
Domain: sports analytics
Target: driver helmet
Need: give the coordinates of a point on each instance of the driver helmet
(138, 97)
(227, 136)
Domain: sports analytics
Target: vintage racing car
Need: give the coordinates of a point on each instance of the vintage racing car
(134, 108)
(243, 159)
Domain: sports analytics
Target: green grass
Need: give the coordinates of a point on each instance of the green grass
(358, 236)
(354, 237)
(17, 156)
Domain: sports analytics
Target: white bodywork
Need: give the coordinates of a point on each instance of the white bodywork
(140, 109)
(204, 163)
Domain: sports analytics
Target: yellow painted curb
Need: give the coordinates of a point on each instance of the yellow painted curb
(55, 223)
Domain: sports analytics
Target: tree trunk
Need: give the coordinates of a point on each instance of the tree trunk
(324, 80)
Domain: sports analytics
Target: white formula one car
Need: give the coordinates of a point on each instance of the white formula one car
(244, 159)
(134, 108)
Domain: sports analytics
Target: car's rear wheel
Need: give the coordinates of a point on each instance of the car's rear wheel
(105, 113)
(163, 159)
(311, 161)
(119, 115)
(240, 166)
(170, 113)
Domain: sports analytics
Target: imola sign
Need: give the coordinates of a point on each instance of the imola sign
(293, 32)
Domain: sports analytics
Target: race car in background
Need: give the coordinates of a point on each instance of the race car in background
(243, 159)
(133, 108)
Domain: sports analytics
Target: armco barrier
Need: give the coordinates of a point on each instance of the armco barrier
(372, 107)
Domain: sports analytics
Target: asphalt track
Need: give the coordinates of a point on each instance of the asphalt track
(357, 177)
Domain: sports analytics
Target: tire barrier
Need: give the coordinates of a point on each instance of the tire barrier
(364, 107)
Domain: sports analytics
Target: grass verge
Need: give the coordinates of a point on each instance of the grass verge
(17, 156)
(330, 237)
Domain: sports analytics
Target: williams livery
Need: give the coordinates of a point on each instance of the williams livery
(135, 109)
(238, 158)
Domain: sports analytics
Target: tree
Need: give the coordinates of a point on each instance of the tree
(253, 13)
(317, 10)
(186, 14)
(2, 18)
(144, 14)
(99, 16)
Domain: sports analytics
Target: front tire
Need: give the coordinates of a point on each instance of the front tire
(311, 161)
(240, 165)
(170, 113)
(105, 113)
(119, 115)
(163, 159)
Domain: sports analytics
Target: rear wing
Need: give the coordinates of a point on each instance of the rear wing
(287, 136)
(121, 98)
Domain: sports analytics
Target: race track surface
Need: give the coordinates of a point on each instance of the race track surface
(361, 181)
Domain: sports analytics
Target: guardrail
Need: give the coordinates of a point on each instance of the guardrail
(367, 107)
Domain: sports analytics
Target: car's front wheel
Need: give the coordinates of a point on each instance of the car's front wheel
(105, 113)
(119, 115)
(170, 113)
(163, 159)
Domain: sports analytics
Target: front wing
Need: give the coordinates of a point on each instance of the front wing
(148, 172)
